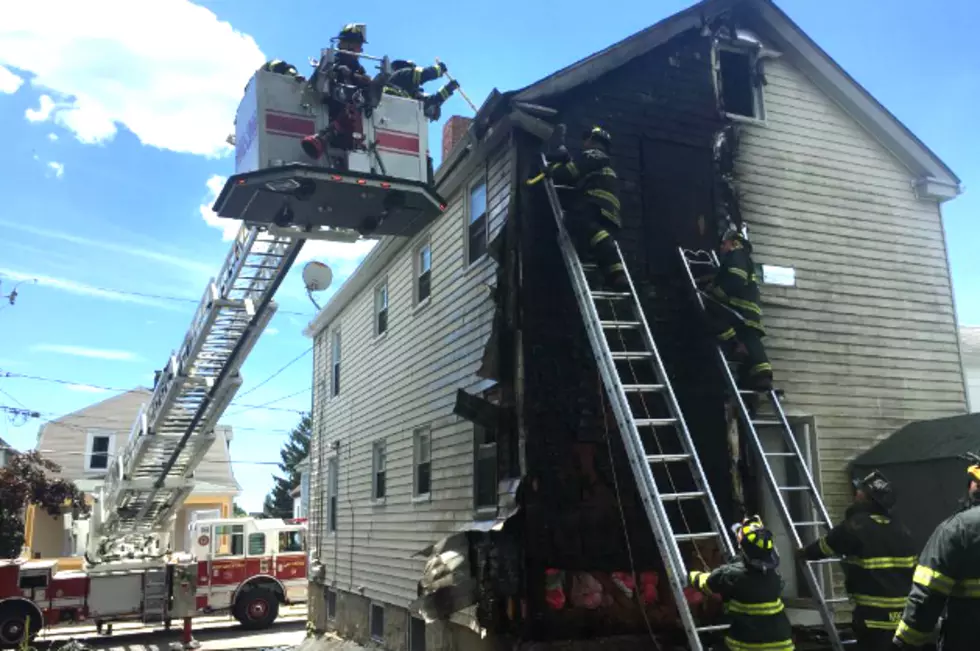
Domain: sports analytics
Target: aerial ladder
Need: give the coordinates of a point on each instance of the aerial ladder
(380, 187)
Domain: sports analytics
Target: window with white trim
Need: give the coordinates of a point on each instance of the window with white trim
(739, 82)
(335, 363)
(476, 215)
(422, 453)
(423, 273)
(333, 469)
(100, 445)
(381, 308)
(379, 472)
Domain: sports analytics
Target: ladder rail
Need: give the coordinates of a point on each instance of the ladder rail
(642, 470)
(816, 503)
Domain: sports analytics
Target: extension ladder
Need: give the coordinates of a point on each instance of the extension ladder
(149, 480)
(636, 431)
(818, 518)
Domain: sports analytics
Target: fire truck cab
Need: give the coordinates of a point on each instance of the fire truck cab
(250, 566)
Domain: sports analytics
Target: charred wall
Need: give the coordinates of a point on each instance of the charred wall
(661, 112)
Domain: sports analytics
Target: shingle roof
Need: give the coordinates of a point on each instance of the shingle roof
(925, 440)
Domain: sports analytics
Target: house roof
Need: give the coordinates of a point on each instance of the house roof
(933, 175)
(925, 440)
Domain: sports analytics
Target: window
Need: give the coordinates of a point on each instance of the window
(423, 273)
(379, 464)
(477, 224)
(739, 89)
(291, 541)
(423, 462)
(416, 634)
(485, 469)
(332, 484)
(229, 540)
(335, 364)
(331, 603)
(377, 622)
(98, 450)
(256, 544)
(381, 308)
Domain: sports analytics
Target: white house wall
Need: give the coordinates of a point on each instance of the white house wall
(391, 385)
(866, 340)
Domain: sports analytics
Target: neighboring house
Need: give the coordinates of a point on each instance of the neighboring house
(301, 493)
(842, 204)
(970, 348)
(83, 443)
(5, 452)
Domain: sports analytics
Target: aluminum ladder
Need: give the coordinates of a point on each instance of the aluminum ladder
(642, 461)
(818, 516)
(148, 481)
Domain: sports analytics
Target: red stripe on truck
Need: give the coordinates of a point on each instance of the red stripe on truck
(286, 123)
(405, 143)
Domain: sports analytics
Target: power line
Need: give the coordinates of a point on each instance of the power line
(265, 405)
(287, 365)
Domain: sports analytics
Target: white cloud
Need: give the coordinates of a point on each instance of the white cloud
(127, 249)
(82, 351)
(43, 113)
(53, 137)
(85, 388)
(9, 82)
(81, 289)
(111, 63)
(229, 227)
(57, 168)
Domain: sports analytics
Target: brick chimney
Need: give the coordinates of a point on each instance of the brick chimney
(452, 132)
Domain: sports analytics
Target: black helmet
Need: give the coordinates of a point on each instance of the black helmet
(756, 544)
(878, 489)
(728, 230)
(401, 64)
(353, 32)
(599, 135)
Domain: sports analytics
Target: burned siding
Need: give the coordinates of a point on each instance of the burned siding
(660, 109)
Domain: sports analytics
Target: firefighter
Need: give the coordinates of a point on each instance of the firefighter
(750, 588)
(407, 79)
(347, 73)
(878, 560)
(947, 577)
(734, 311)
(592, 219)
(281, 67)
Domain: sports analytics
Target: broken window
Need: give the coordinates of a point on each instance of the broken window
(381, 308)
(335, 364)
(423, 273)
(477, 216)
(380, 464)
(738, 88)
(332, 485)
(423, 462)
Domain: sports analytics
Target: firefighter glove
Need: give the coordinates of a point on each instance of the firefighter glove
(442, 68)
(452, 86)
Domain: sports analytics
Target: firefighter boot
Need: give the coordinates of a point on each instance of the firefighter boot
(315, 145)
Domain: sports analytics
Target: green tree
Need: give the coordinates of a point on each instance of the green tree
(238, 511)
(279, 503)
(30, 479)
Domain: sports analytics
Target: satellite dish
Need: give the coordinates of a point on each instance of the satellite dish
(317, 276)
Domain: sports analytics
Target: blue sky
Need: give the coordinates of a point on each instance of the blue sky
(113, 115)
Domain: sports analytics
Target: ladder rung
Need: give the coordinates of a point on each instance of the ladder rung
(654, 422)
(634, 354)
(610, 295)
(588, 266)
(701, 535)
(667, 458)
(793, 488)
(824, 561)
(780, 454)
(620, 325)
(642, 388)
(809, 523)
(837, 600)
(767, 423)
(677, 497)
(712, 628)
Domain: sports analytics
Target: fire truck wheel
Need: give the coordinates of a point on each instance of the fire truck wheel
(256, 607)
(14, 619)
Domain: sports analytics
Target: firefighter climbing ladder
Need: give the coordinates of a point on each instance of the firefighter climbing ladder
(641, 461)
(791, 455)
(150, 478)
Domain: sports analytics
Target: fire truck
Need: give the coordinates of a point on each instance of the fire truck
(380, 184)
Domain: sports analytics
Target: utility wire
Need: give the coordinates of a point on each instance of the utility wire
(266, 381)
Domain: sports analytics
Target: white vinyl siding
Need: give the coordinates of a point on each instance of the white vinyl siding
(865, 341)
(390, 390)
